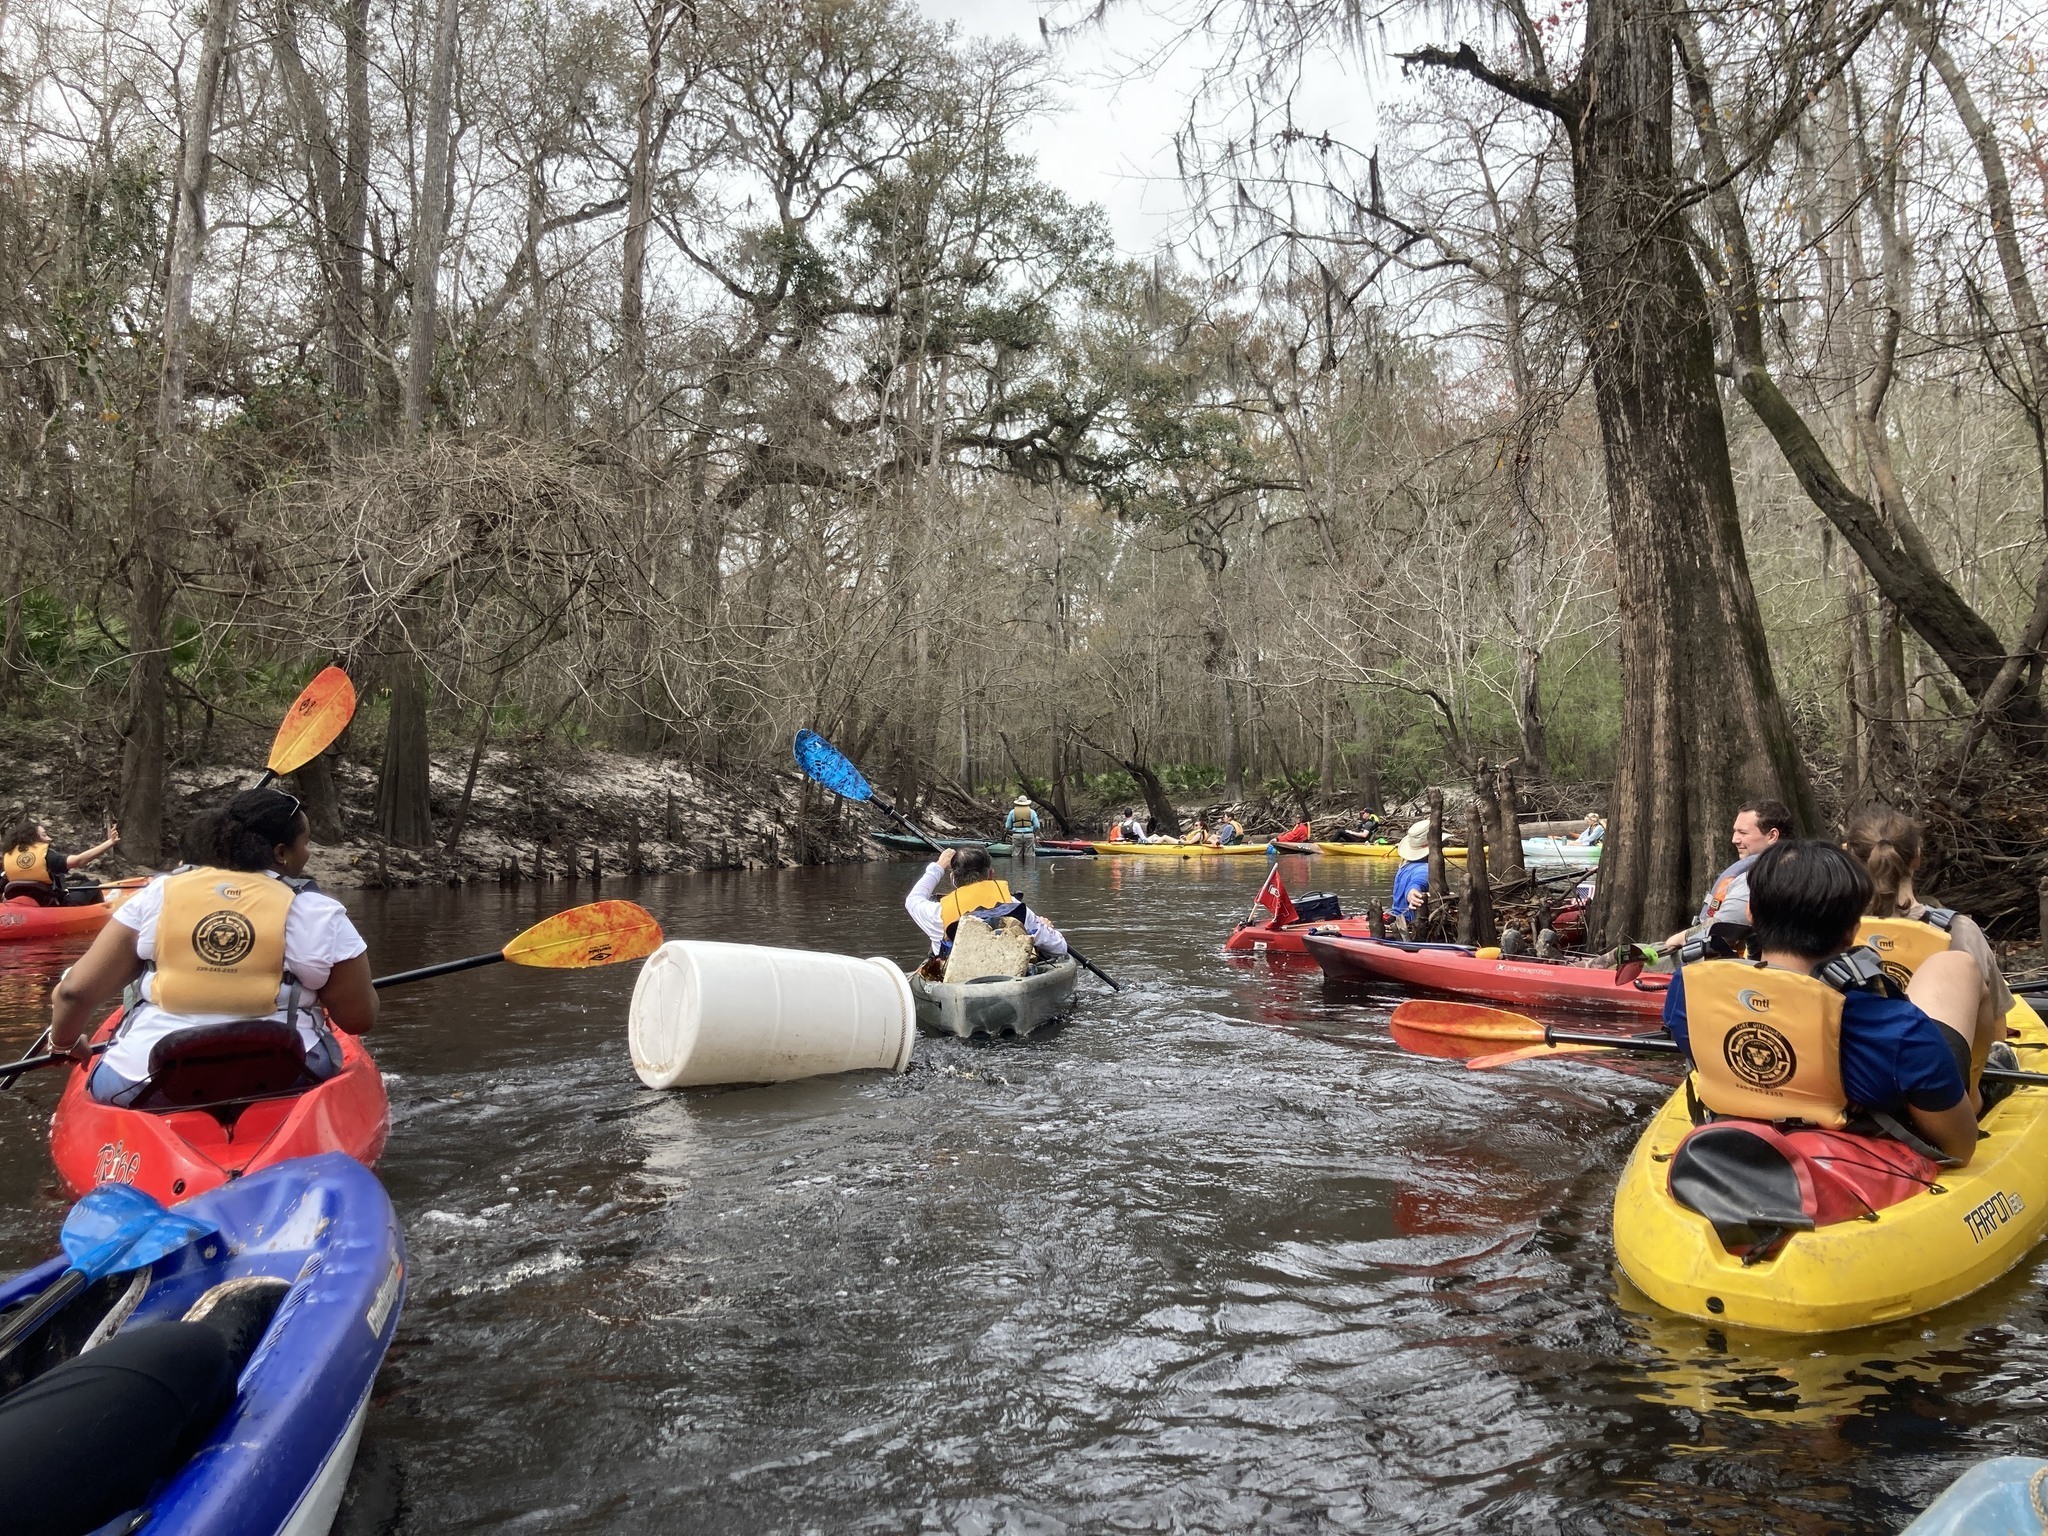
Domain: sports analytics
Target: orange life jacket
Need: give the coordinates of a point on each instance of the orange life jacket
(1766, 1044)
(220, 943)
(1904, 943)
(30, 865)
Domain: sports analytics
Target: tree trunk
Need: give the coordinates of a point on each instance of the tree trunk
(430, 218)
(1439, 878)
(166, 463)
(1233, 752)
(1707, 728)
(404, 812)
(1510, 800)
(1475, 911)
(316, 789)
(1894, 551)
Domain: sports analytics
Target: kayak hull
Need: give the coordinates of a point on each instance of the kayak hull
(1386, 852)
(996, 1007)
(182, 1153)
(1263, 938)
(1999, 1497)
(903, 842)
(1924, 1252)
(1460, 973)
(279, 1461)
(1190, 850)
(23, 919)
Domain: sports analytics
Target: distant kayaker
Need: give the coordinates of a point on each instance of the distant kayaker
(1198, 833)
(1230, 831)
(1411, 880)
(976, 892)
(1363, 830)
(1022, 817)
(240, 937)
(1758, 825)
(1888, 844)
(1765, 1024)
(1593, 833)
(1132, 828)
(31, 860)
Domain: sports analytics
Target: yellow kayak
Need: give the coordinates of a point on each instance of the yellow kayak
(1179, 850)
(1385, 851)
(1930, 1249)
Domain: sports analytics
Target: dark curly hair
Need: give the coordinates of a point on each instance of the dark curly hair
(22, 834)
(244, 833)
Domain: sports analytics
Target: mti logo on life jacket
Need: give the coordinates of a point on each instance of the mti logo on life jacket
(1759, 1055)
(223, 938)
(1755, 1002)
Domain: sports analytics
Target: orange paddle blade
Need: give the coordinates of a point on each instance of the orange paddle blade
(602, 933)
(318, 715)
(1468, 1021)
(1529, 1053)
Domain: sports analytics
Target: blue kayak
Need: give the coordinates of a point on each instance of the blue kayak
(296, 1298)
(2000, 1497)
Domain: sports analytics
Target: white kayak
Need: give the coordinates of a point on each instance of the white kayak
(997, 1005)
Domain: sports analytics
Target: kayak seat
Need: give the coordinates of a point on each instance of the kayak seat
(225, 1066)
(32, 890)
(1758, 1183)
(1745, 1179)
(87, 1441)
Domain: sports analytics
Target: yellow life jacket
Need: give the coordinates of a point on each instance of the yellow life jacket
(220, 943)
(1020, 819)
(978, 897)
(30, 864)
(1904, 943)
(1766, 1044)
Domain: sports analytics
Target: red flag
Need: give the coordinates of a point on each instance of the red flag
(1273, 897)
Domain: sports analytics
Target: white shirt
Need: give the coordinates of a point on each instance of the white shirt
(923, 908)
(318, 936)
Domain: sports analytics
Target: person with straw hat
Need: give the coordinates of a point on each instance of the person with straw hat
(1022, 825)
(1411, 880)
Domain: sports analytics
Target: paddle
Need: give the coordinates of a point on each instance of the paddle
(825, 764)
(320, 713)
(599, 933)
(1470, 1021)
(2034, 988)
(113, 1229)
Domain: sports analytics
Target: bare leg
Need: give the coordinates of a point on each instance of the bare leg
(1949, 987)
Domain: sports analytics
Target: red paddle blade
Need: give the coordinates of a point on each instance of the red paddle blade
(1469, 1021)
(1422, 1042)
(1528, 1053)
(600, 933)
(319, 714)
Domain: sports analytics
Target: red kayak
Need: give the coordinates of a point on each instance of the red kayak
(1270, 938)
(26, 918)
(1456, 970)
(222, 1124)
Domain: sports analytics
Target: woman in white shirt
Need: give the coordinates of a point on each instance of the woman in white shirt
(237, 936)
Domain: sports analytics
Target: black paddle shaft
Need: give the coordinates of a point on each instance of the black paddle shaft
(924, 837)
(1664, 1045)
(445, 968)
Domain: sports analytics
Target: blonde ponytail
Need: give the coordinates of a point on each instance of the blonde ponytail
(1887, 843)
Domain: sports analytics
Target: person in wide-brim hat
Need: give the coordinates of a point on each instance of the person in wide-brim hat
(1022, 800)
(1414, 843)
(1411, 880)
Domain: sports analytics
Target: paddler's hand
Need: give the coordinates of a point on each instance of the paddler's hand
(946, 858)
(80, 1050)
(114, 834)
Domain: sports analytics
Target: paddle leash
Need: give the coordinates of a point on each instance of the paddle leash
(824, 764)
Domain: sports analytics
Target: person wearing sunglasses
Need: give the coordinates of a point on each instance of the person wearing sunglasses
(239, 935)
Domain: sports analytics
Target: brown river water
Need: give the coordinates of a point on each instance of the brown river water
(1214, 1256)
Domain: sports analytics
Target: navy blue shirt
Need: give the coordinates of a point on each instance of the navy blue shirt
(1409, 879)
(1893, 1055)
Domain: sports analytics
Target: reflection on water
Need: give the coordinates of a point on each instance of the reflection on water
(1216, 1256)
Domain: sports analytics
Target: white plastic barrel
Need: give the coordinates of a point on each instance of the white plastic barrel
(740, 1013)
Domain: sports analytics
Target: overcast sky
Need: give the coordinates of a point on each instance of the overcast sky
(1113, 144)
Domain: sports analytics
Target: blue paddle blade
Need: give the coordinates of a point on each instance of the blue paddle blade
(116, 1227)
(826, 764)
